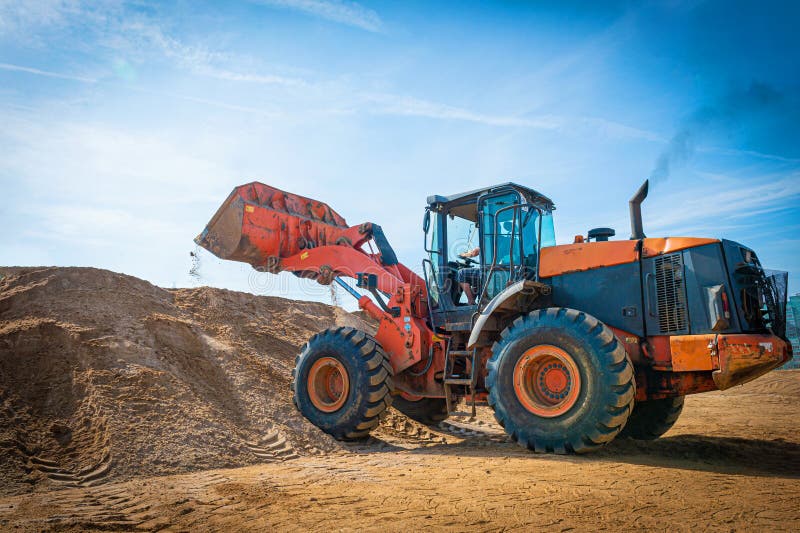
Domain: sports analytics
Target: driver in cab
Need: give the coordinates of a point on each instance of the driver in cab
(469, 276)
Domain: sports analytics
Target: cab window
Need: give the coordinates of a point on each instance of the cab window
(462, 236)
(501, 227)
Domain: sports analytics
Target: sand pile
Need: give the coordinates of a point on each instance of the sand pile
(106, 376)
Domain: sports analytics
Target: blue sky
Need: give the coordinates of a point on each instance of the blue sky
(125, 124)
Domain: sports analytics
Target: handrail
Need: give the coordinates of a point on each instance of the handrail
(425, 235)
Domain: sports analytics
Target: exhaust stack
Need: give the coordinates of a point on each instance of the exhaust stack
(635, 205)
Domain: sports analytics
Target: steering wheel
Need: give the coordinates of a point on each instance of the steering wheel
(467, 262)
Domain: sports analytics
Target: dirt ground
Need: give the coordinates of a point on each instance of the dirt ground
(125, 406)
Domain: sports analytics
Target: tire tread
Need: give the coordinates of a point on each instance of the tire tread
(617, 371)
(364, 352)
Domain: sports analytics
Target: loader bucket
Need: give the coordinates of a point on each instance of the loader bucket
(259, 225)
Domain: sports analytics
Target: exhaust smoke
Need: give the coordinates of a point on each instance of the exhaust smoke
(759, 107)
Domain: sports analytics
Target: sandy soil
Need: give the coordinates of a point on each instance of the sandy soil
(732, 462)
(104, 376)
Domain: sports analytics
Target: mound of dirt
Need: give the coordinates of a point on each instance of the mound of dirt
(103, 376)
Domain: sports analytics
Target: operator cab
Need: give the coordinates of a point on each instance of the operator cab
(503, 227)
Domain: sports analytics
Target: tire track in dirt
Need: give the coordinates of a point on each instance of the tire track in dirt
(91, 475)
(474, 430)
(129, 506)
(85, 454)
(272, 447)
(400, 430)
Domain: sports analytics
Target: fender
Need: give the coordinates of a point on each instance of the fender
(515, 298)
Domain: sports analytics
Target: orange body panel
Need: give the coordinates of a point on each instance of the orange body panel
(631, 344)
(658, 246)
(582, 256)
(686, 364)
(565, 258)
(692, 352)
(735, 355)
(408, 341)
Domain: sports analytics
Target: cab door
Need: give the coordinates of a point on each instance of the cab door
(444, 240)
(501, 241)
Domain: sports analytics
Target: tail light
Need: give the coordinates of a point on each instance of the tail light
(726, 307)
(719, 309)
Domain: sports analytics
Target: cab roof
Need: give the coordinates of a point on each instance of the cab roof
(465, 204)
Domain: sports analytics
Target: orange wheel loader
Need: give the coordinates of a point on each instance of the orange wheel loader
(571, 344)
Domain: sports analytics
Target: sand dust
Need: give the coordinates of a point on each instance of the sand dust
(127, 406)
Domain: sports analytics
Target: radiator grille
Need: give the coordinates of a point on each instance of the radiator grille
(670, 294)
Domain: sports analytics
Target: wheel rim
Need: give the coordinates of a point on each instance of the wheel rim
(328, 384)
(547, 381)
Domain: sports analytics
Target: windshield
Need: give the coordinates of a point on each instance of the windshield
(511, 231)
(500, 227)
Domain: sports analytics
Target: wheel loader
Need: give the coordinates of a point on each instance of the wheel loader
(571, 345)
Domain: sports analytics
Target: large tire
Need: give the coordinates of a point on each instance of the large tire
(652, 418)
(429, 411)
(559, 381)
(342, 382)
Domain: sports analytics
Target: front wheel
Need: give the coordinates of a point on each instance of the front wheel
(342, 382)
(559, 381)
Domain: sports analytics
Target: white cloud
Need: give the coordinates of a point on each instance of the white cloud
(751, 153)
(188, 98)
(394, 104)
(213, 103)
(97, 226)
(391, 104)
(140, 38)
(721, 201)
(712, 206)
(108, 26)
(16, 15)
(343, 12)
(46, 73)
(143, 37)
(612, 129)
(71, 160)
(264, 79)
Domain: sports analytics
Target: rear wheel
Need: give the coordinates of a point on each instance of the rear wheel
(342, 382)
(652, 418)
(429, 411)
(559, 381)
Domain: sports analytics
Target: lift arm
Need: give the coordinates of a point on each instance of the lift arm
(275, 231)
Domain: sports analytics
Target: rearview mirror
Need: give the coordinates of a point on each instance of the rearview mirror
(426, 221)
